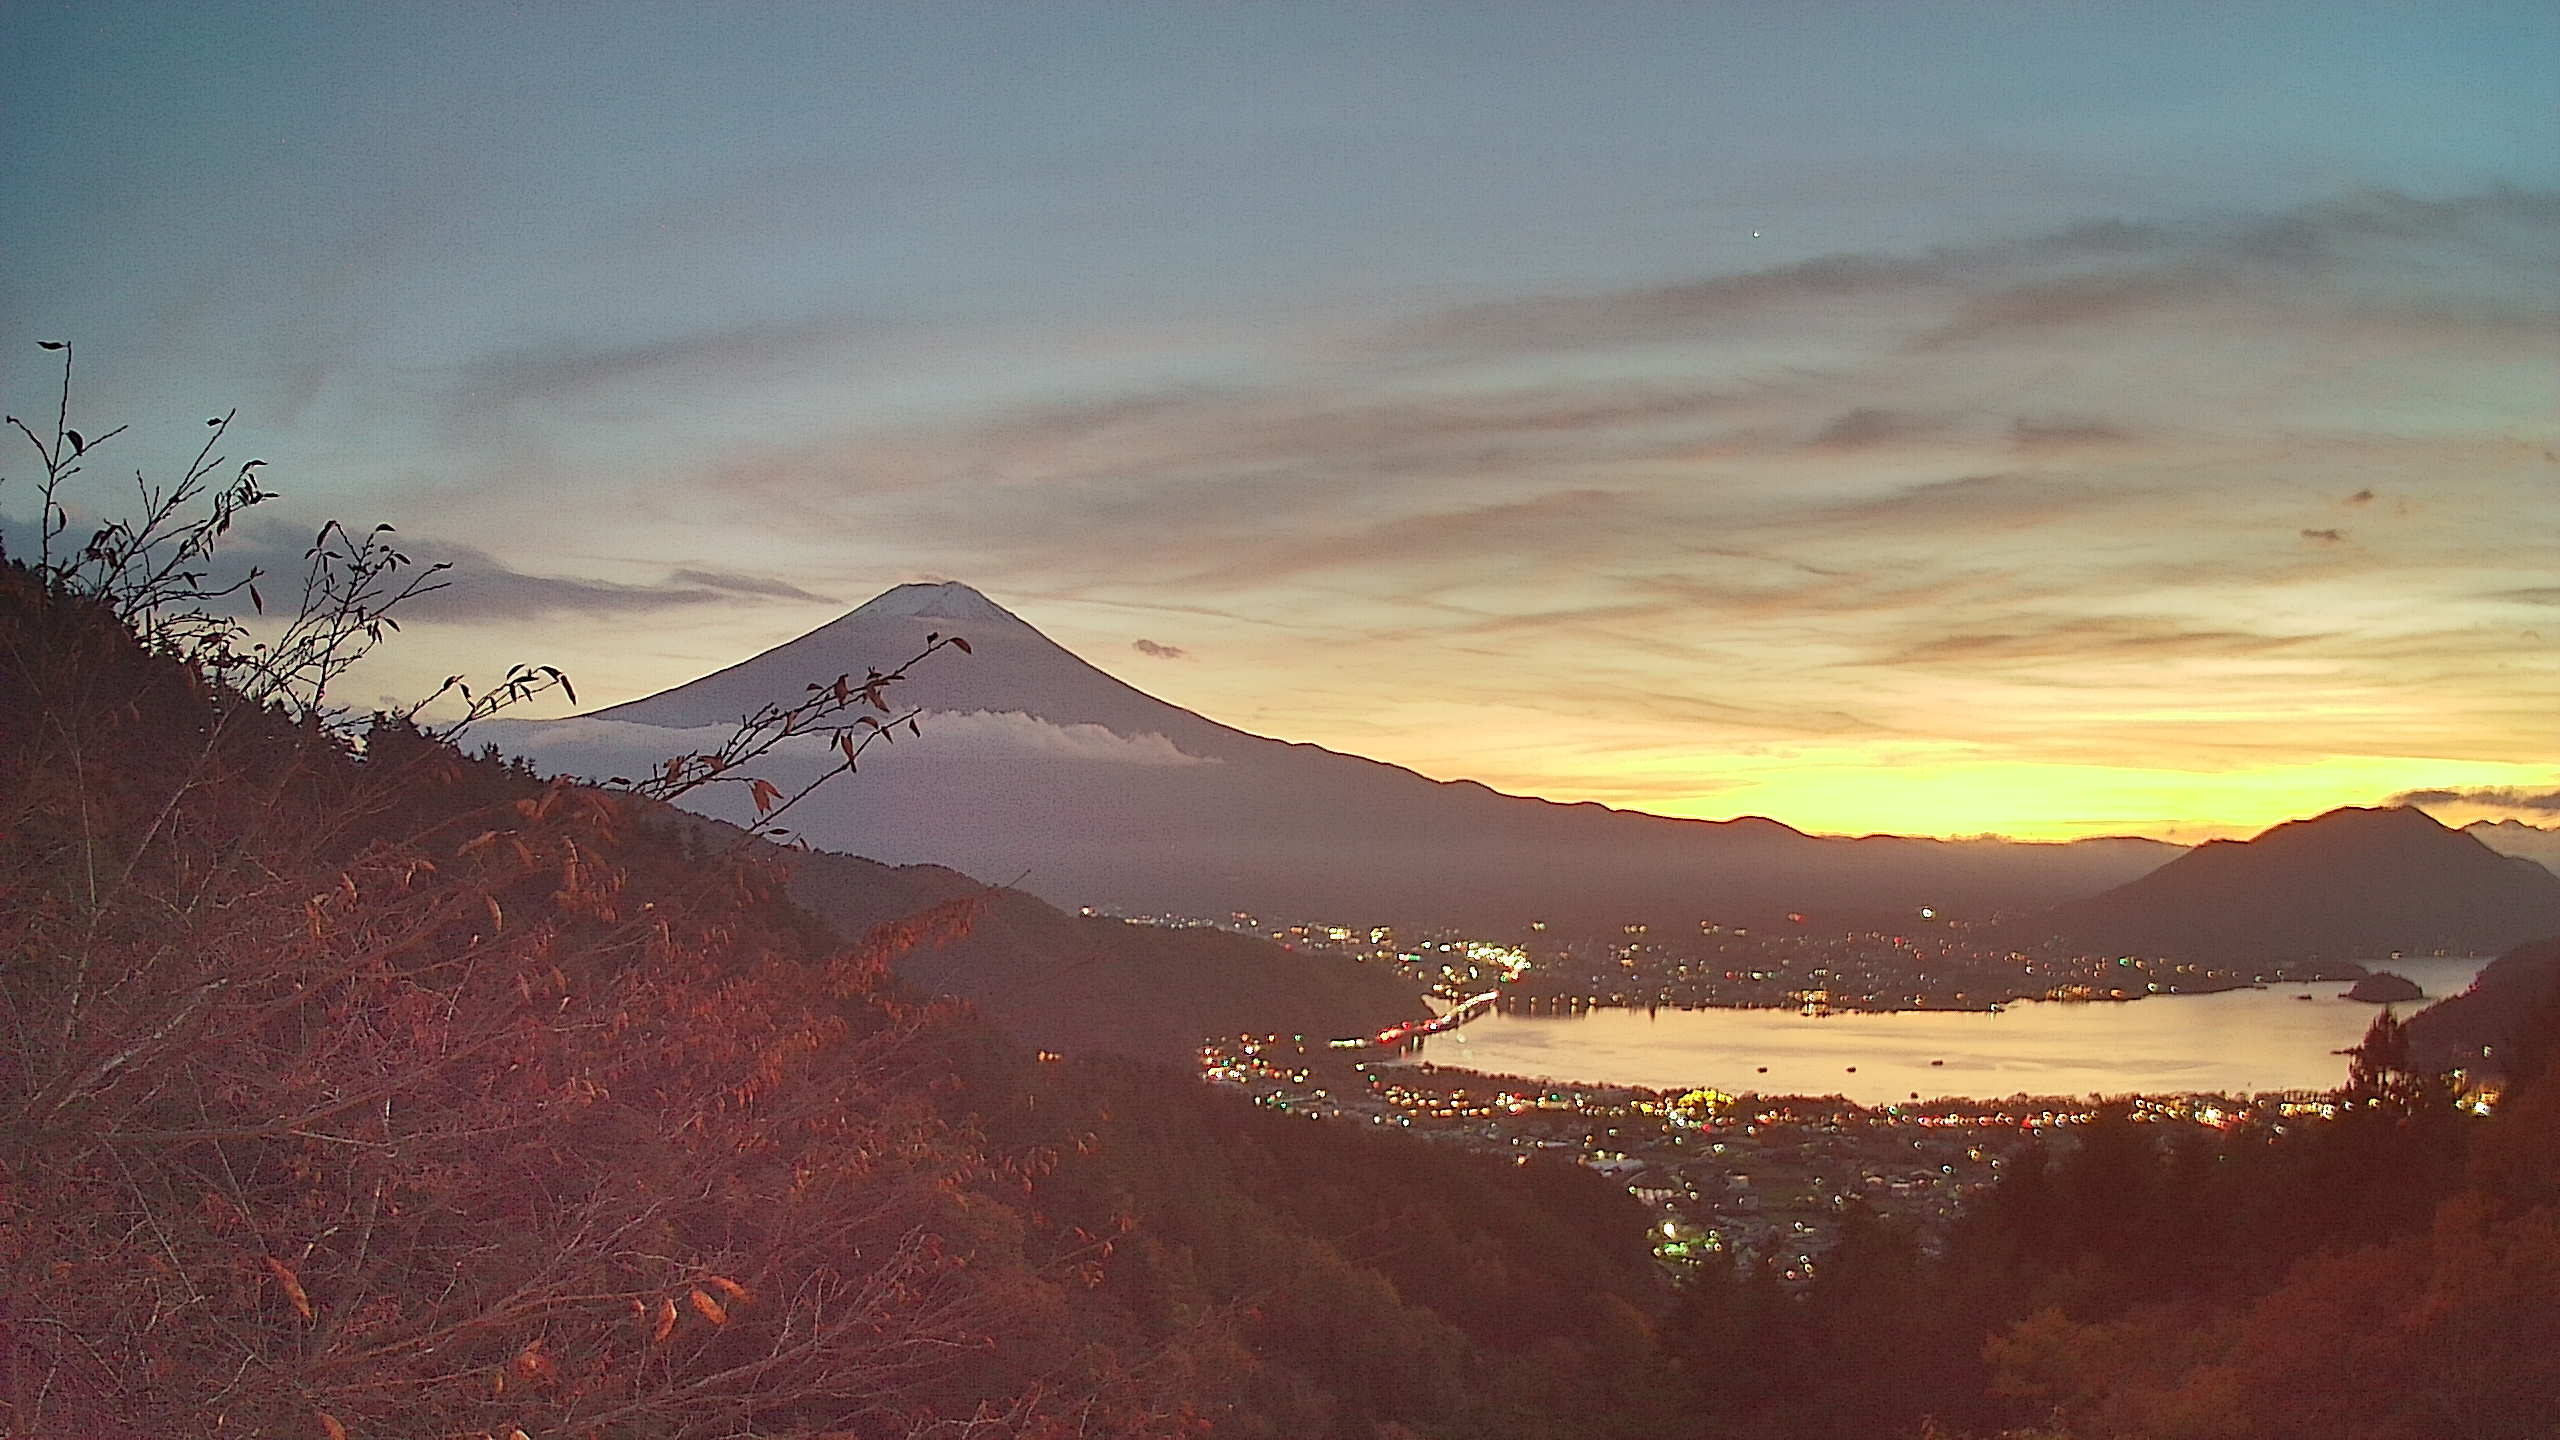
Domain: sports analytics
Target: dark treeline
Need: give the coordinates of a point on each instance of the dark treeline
(2392, 1274)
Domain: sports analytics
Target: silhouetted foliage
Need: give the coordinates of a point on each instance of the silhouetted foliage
(2355, 1277)
(352, 1086)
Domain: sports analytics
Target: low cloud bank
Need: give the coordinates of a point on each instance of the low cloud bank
(600, 749)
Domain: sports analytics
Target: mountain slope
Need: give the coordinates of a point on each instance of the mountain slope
(2477, 1029)
(1034, 764)
(2348, 884)
(323, 1116)
(1087, 985)
(2514, 837)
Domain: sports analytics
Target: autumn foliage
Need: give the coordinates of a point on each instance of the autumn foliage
(379, 1090)
(396, 1093)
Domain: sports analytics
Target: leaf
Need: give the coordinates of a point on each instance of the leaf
(565, 687)
(497, 917)
(257, 600)
(666, 1325)
(330, 1427)
(78, 445)
(712, 1310)
(765, 792)
(735, 1291)
(963, 644)
(292, 1284)
(51, 345)
(532, 1364)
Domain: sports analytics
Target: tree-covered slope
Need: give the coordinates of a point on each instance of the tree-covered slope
(398, 1093)
(1087, 984)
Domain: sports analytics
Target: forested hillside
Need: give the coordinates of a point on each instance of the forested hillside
(2387, 1274)
(385, 1091)
(1092, 985)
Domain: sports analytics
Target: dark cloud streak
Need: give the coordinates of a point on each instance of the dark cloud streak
(2493, 797)
(477, 586)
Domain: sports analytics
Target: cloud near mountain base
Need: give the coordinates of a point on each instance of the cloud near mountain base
(600, 749)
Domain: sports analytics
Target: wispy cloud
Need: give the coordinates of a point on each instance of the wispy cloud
(1868, 426)
(568, 370)
(2494, 797)
(2013, 495)
(600, 749)
(734, 583)
(476, 585)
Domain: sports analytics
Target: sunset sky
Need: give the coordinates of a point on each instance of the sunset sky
(2047, 419)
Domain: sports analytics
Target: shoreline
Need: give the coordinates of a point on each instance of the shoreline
(1838, 1103)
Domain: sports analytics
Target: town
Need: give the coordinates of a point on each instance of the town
(1931, 963)
(1768, 1177)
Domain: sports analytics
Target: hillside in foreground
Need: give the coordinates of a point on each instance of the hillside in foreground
(2484, 1028)
(399, 1093)
(1093, 985)
(1035, 764)
(1074, 984)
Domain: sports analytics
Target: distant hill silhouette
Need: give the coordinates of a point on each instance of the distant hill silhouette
(2351, 884)
(1038, 765)
(2538, 843)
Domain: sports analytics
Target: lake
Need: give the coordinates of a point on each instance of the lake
(2236, 1042)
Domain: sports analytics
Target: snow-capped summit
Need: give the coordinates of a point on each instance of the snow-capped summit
(1030, 763)
(1009, 667)
(943, 600)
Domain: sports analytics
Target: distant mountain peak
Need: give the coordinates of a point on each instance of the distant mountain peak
(2407, 816)
(2355, 829)
(943, 600)
(2353, 881)
(2367, 819)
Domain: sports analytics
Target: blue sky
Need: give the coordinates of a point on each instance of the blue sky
(1891, 416)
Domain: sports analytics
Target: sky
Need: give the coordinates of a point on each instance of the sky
(2042, 419)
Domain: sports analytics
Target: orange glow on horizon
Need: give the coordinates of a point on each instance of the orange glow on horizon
(1843, 795)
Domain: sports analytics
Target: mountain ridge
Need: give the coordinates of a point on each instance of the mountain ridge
(1217, 819)
(2355, 882)
(2538, 843)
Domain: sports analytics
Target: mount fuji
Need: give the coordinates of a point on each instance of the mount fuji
(1039, 770)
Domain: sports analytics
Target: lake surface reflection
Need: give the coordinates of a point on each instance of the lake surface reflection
(2237, 1042)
